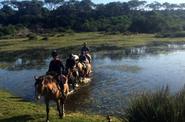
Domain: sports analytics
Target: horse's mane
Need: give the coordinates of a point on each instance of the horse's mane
(49, 78)
(46, 79)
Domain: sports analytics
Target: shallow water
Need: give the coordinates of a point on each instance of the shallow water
(117, 76)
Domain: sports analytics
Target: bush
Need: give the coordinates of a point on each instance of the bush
(45, 38)
(8, 30)
(32, 36)
(180, 106)
(157, 107)
(171, 34)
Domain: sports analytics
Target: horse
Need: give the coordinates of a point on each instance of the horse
(85, 67)
(73, 76)
(48, 87)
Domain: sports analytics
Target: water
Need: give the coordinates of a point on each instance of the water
(117, 76)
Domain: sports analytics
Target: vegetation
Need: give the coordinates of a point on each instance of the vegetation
(96, 41)
(171, 35)
(135, 16)
(160, 106)
(14, 109)
(109, 25)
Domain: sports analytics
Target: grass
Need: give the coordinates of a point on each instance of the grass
(15, 109)
(177, 34)
(160, 106)
(93, 39)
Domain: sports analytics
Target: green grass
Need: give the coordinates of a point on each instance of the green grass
(160, 106)
(15, 109)
(93, 39)
(177, 34)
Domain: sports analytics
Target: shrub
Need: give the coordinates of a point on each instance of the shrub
(8, 30)
(179, 105)
(157, 107)
(154, 107)
(32, 36)
(45, 38)
(171, 34)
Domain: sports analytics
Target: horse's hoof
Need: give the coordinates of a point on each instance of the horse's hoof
(72, 91)
(61, 117)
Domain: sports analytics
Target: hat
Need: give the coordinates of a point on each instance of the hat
(54, 53)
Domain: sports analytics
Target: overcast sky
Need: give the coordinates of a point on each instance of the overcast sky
(148, 1)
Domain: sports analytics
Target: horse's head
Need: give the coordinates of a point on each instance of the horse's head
(76, 58)
(38, 86)
(64, 79)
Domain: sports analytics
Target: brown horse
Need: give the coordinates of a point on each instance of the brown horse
(48, 87)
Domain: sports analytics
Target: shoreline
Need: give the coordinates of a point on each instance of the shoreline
(95, 40)
(14, 108)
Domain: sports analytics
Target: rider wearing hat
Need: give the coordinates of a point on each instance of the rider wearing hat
(84, 49)
(70, 62)
(55, 65)
(85, 56)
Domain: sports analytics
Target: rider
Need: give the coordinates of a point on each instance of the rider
(85, 53)
(85, 48)
(70, 63)
(55, 65)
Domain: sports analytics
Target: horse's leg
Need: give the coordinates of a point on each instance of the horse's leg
(58, 108)
(77, 77)
(88, 70)
(62, 108)
(47, 109)
(74, 82)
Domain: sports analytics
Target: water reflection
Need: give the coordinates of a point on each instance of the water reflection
(118, 74)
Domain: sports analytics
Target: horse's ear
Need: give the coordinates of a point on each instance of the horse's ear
(35, 77)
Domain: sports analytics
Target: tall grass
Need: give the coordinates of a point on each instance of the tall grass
(171, 34)
(160, 106)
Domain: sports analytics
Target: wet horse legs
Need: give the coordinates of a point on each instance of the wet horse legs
(59, 108)
(47, 110)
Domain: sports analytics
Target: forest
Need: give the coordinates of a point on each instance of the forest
(134, 16)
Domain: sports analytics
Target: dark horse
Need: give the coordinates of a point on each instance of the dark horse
(73, 77)
(48, 87)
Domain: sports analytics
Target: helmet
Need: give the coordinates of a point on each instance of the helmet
(54, 53)
(85, 43)
(71, 55)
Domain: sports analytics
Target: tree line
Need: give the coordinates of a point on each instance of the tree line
(134, 16)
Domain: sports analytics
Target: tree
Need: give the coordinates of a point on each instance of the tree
(87, 5)
(6, 15)
(136, 4)
(53, 4)
(182, 6)
(168, 6)
(155, 6)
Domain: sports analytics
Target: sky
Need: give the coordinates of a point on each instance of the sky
(148, 1)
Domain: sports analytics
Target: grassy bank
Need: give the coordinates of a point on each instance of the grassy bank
(160, 106)
(15, 109)
(74, 39)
